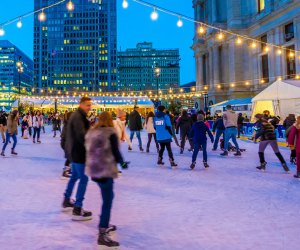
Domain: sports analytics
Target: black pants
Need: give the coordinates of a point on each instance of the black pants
(167, 145)
(150, 139)
(30, 131)
(186, 135)
(240, 129)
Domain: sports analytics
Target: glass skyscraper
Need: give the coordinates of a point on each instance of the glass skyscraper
(76, 51)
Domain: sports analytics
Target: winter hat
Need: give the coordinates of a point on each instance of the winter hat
(200, 117)
(121, 113)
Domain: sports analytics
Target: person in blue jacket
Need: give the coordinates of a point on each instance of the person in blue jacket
(163, 127)
(198, 133)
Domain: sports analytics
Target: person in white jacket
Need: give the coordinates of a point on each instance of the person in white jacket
(37, 123)
(120, 126)
(149, 126)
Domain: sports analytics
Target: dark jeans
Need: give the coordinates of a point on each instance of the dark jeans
(106, 186)
(77, 174)
(150, 139)
(197, 147)
(30, 131)
(57, 129)
(36, 132)
(183, 139)
(240, 129)
(219, 133)
(14, 137)
(138, 135)
(167, 145)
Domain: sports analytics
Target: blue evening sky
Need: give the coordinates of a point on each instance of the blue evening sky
(134, 25)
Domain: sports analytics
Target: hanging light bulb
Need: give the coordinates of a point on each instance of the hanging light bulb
(220, 36)
(279, 51)
(125, 4)
(247, 83)
(42, 16)
(19, 23)
(291, 54)
(2, 31)
(70, 6)
(179, 22)
(239, 40)
(154, 15)
(253, 45)
(267, 49)
(201, 30)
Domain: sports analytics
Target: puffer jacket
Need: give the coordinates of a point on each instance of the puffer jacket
(267, 132)
(102, 153)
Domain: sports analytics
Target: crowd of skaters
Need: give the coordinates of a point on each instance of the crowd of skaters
(91, 145)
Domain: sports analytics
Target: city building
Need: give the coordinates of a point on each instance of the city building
(16, 72)
(76, 50)
(147, 68)
(231, 67)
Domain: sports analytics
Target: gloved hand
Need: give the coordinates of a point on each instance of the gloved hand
(125, 164)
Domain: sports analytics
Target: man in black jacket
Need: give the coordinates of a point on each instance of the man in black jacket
(219, 128)
(135, 126)
(3, 124)
(77, 128)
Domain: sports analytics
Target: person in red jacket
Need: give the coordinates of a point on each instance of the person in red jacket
(294, 142)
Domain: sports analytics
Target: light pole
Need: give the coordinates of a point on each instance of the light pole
(20, 71)
(157, 74)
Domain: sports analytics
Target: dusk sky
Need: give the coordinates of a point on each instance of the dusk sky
(134, 25)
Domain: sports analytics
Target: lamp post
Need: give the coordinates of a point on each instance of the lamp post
(157, 74)
(20, 71)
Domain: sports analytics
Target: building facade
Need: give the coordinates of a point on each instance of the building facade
(11, 80)
(147, 68)
(77, 50)
(230, 68)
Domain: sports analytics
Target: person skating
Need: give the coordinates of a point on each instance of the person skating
(219, 129)
(12, 131)
(162, 125)
(198, 133)
(67, 168)
(240, 124)
(294, 141)
(24, 127)
(135, 126)
(3, 125)
(288, 124)
(149, 125)
(30, 121)
(120, 126)
(184, 125)
(230, 123)
(56, 124)
(37, 123)
(77, 128)
(267, 137)
(102, 147)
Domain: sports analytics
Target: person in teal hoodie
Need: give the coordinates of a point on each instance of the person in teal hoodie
(163, 127)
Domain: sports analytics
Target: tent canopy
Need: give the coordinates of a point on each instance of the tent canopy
(240, 101)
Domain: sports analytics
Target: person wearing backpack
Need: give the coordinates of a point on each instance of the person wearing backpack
(162, 125)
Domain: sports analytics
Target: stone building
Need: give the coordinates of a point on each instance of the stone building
(233, 67)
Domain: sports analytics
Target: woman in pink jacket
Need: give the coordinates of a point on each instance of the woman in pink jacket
(294, 141)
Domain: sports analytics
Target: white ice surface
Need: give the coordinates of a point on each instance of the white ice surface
(230, 206)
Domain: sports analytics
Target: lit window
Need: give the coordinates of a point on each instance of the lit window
(261, 5)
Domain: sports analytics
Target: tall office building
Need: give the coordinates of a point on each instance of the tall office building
(11, 80)
(228, 68)
(76, 50)
(136, 68)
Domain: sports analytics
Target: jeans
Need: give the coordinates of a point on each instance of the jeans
(138, 135)
(219, 133)
(167, 145)
(106, 186)
(197, 147)
(13, 136)
(30, 131)
(230, 133)
(36, 132)
(77, 174)
(150, 139)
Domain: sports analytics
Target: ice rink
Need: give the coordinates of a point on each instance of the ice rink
(229, 206)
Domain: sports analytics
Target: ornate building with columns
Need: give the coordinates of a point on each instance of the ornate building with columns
(230, 68)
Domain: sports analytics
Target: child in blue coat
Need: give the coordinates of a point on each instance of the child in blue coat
(198, 133)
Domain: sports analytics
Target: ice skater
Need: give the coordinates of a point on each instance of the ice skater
(12, 131)
(198, 133)
(294, 141)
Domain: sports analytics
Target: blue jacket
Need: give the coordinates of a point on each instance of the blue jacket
(199, 131)
(162, 125)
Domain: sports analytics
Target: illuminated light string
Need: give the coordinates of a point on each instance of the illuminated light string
(203, 27)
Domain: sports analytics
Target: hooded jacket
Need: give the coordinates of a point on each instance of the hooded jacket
(230, 119)
(135, 121)
(184, 124)
(162, 125)
(199, 131)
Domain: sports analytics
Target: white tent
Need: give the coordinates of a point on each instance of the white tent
(281, 98)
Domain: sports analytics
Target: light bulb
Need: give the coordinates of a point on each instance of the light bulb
(239, 40)
(220, 36)
(201, 30)
(279, 51)
(70, 6)
(291, 54)
(253, 45)
(125, 4)
(19, 23)
(246, 83)
(42, 16)
(154, 15)
(267, 49)
(179, 23)
(2, 31)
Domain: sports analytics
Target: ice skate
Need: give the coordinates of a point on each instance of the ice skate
(205, 165)
(81, 215)
(297, 175)
(13, 152)
(141, 149)
(173, 164)
(111, 228)
(105, 240)
(238, 153)
(193, 165)
(225, 153)
(2, 153)
(67, 205)
(129, 148)
(160, 161)
(262, 166)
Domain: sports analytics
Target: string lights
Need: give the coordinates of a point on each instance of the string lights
(154, 14)
(42, 16)
(19, 23)
(125, 4)
(2, 31)
(179, 22)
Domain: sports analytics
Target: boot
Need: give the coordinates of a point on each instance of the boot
(225, 153)
(111, 228)
(147, 150)
(262, 166)
(105, 240)
(173, 164)
(2, 153)
(238, 153)
(193, 165)
(141, 149)
(285, 167)
(160, 161)
(129, 148)
(81, 215)
(297, 175)
(67, 205)
(13, 152)
(205, 165)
